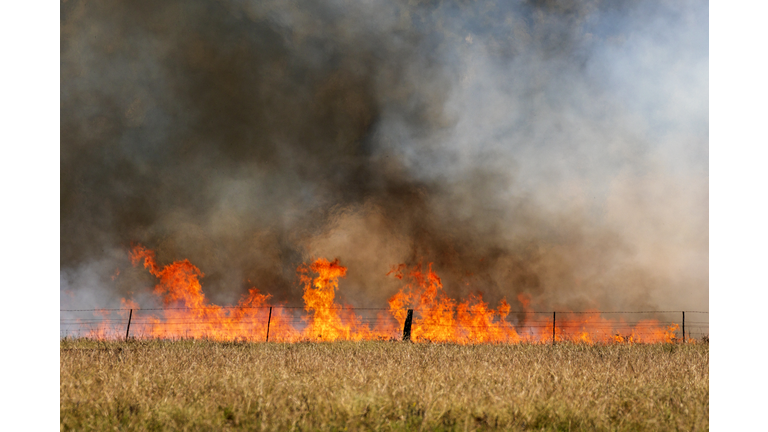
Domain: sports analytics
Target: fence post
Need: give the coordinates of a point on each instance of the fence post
(130, 315)
(683, 327)
(554, 323)
(269, 320)
(407, 326)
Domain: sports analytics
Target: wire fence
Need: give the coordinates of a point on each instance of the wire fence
(294, 323)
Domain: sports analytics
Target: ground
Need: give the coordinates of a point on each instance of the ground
(205, 385)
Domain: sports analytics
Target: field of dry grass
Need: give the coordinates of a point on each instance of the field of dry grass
(200, 385)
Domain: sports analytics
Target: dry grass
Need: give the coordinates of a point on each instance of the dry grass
(198, 385)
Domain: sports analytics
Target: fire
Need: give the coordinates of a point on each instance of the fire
(187, 313)
(441, 319)
(591, 327)
(319, 293)
(326, 323)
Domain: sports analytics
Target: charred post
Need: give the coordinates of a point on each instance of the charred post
(683, 326)
(130, 315)
(269, 320)
(407, 326)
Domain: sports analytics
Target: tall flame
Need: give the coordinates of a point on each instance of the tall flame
(440, 319)
(188, 313)
(319, 294)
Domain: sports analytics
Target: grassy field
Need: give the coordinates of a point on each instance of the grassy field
(200, 385)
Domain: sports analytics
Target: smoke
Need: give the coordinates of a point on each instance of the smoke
(557, 149)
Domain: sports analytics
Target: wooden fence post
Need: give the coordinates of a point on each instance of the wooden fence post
(130, 315)
(683, 326)
(407, 326)
(269, 320)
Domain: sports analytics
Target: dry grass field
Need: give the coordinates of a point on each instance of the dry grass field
(202, 385)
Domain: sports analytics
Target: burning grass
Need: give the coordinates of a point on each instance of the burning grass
(187, 313)
(204, 385)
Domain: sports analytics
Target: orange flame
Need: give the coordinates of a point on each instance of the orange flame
(187, 313)
(319, 293)
(440, 319)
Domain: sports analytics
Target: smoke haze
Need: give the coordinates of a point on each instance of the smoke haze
(553, 148)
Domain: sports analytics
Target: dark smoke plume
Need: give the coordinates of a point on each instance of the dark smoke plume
(552, 148)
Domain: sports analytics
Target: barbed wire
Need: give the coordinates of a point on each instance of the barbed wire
(351, 308)
(249, 322)
(659, 325)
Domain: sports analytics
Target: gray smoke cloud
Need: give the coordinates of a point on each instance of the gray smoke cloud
(553, 148)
